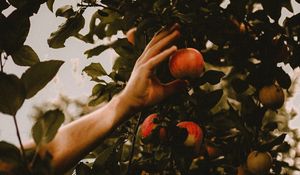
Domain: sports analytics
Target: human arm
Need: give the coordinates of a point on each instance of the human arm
(143, 89)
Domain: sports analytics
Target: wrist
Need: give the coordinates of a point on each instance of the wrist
(122, 107)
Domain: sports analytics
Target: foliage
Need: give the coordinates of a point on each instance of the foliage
(242, 45)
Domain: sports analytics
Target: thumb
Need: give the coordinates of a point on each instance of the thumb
(175, 86)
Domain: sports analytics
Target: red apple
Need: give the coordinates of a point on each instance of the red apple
(259, 162)
(130, 34)
(271, 96)
(194, 137)
(150, 130)
(186, 63)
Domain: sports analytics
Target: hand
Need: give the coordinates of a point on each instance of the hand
(144, 88)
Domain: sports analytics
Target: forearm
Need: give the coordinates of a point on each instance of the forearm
(76, 139)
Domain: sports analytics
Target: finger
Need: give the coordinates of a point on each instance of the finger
(153, 62)
(161, 34)
(162, 44)
(174, 86)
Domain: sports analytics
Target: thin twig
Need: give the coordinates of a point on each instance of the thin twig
(1, 64)
(99, 5)
(35, 155)
(19, 138)
(133, 143)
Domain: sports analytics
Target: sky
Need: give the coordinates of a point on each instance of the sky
(70, 81)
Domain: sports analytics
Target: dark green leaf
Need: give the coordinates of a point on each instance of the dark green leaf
(102, 13)
(277, 141)
(65, 11)
(212, 76)
(38, 76)
(283, 148)
(9, 152)
(47, 126)
(95, 51)
(70, 28)
(283, 78)
(102, 159)
(212, 98)
(288, 5)
(124, 48)
(83, 169)
(17, 3)
(3, 5)
(50, 4)
(271, 126)
(94, 70)
(12, 93)
(98, 89)
(25, 56)
(239, 85)
(100, 99)
(14, 31)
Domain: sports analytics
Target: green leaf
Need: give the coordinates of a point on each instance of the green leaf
(17, 3)
(3, 5)
(100, 99)
(94, 70)
(102, 159)
(98, 89)
(37, 77)
(14, 31)
(96, 51)
(12, 93)
(9, 152)
(124, 48)
(283, 78)
(212, 98)
(239, 85)
(83, 169)
(212, 76)
(25, 56)
(46, 127)
(50, 5)
(269, 145)
(70, 28)
(65, 11)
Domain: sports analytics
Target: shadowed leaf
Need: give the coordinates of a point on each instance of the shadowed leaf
(12, 93)
(47, 126)
(95, 51)
(70, 28)
(94, 70)
(25, 56)
(65, 11)
(50, 5)
(38, 76)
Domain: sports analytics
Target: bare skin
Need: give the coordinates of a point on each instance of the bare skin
(143, 89)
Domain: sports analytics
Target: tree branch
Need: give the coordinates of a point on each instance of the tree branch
(19, 138)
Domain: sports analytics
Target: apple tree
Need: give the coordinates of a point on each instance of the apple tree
(226, 107)
(222, 123)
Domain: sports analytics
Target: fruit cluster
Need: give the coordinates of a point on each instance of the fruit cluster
(188, 64)
(153, 131)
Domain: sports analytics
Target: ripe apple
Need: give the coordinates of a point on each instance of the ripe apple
(130, 35)
(210, 151)
(194, 137)
(150, 130)
(271, 96)
(259, 162)
(241, 170)
(186, 63)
